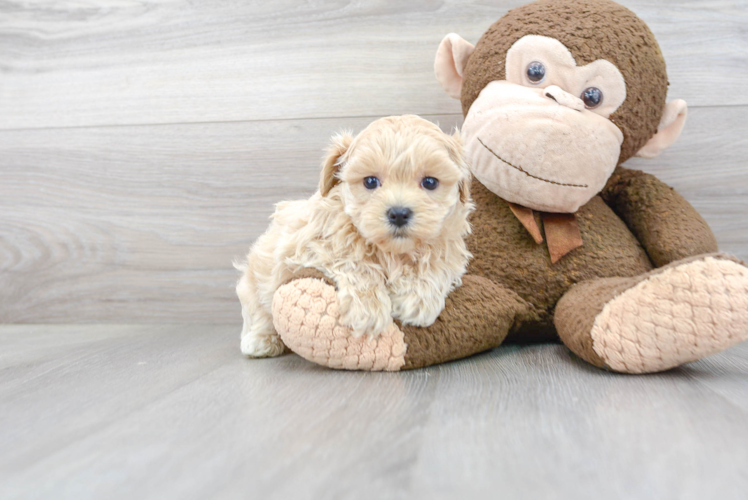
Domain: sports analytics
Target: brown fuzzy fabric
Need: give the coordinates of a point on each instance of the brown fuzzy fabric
(461, 330)
(577, 310)
(591, 30)
(664, 222)
(505, 253)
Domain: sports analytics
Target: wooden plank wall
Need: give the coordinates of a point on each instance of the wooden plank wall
(142, 144)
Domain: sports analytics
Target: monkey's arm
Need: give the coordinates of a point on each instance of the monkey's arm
(662, 220)
(476, 317)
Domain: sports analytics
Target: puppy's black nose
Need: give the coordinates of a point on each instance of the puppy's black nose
(399, 216)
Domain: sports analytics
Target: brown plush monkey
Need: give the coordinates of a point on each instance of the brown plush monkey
(567, 243)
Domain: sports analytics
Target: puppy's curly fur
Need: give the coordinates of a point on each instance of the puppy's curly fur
(383, 267)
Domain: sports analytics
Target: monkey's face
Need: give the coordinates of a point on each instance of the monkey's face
(557, 93)
(542, 138)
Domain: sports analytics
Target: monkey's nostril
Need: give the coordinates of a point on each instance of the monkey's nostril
(563, 98)
(399, 216)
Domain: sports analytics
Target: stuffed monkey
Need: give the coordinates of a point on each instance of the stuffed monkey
(567, 243)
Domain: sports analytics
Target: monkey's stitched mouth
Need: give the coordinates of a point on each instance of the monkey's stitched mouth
(528, 173)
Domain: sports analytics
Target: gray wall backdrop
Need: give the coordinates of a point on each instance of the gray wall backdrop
(143, 144)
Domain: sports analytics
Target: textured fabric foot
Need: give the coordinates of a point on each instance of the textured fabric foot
(305, 315)
(673, 315)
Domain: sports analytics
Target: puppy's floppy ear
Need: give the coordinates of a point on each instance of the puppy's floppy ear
(465, 189)
(456, 153)
(330, 167)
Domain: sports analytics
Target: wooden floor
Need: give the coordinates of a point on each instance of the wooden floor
(176, 412)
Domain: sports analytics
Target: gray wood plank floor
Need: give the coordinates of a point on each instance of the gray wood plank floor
(176, 412)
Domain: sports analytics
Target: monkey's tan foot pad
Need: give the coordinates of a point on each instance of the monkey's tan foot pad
(678, 314)
(305, 315)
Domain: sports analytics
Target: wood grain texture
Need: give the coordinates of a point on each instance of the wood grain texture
(83, 63)
(140, 224)
(176, 412)
(102, 222)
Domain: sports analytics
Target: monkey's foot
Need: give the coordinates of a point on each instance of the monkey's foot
(673, 315)
(305, 314)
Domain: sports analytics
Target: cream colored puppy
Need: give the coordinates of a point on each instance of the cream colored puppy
(387, 226)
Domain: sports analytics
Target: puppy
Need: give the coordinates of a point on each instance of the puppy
(387, 226)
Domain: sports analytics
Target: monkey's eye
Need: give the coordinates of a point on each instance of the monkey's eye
(429, 183)
(592, 97)
(371, 183)
(535, 72)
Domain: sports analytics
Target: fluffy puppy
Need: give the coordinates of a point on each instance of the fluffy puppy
(387, 226)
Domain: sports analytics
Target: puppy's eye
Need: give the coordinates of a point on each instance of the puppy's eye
(371, 183)
(429, 183)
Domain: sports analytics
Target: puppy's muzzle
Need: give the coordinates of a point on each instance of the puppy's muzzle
(399, 216)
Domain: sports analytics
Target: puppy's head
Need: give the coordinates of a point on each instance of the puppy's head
(403, 182)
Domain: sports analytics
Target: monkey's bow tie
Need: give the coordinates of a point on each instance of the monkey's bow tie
(561, 230)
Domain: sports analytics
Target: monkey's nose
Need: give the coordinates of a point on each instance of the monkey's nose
(563, 97)
(399, 216)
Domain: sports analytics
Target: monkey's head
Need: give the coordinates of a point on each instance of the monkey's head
(556, 94)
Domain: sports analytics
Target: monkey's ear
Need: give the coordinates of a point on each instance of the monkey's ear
(331, 165)
(671, 125)
(449, 65)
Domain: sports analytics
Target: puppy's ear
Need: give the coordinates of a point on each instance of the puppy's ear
(465, 189)
(454, 146)
(330, 167)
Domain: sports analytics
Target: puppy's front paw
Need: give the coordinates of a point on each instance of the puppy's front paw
(262, 345)
(365, 313)
(412, 309)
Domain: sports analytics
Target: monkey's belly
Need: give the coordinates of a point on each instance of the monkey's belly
(505, 253)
